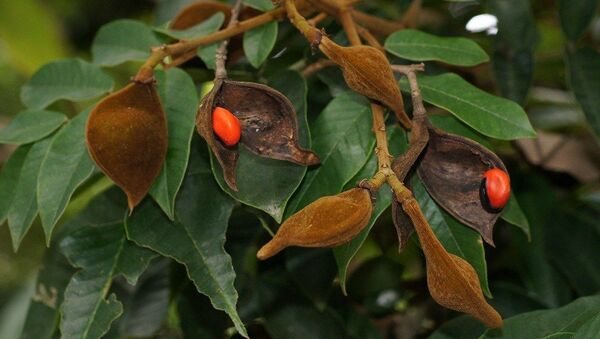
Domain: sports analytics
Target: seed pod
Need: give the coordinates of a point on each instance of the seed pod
(368, 72)
(452, 169)
(199, 11)
(126, 136)
(267, 119)
(328, 221)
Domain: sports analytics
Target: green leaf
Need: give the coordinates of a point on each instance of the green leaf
(456, 238)
(317, 263)
(122, 40)
(575, 16)
(488, 114)
(261, 5)
(197, 236)
(344, 253)
(463, 327)
(516, 24)
(100, 249)
(259, 42)
(514, 73)
(9, 179)
(513, 214)
(30, 126)
(277, 179)
(206, 27)
(584, 79)
(70, 79)
(451, 124)
(415, 45)
(179, 100)
(343, 140)
(65, 167)
(589, 329)
(300, 322)
(208, 54)
(563, 322)
(23, 208)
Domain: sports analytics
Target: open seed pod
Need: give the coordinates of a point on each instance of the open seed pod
(452, 169)
(328, 221)
(368, 72)
(126, 136)
(199, 11)
(267, 119)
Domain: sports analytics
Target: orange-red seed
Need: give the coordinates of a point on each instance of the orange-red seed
(226, 126)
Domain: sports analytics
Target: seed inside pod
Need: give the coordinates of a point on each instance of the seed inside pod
(451, 169)
(226, 126)
(495, 189)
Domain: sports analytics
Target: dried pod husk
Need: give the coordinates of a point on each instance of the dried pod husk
(368, 72)
(268, 122)
(199, 11)
(452, 281)
(328, 221)
(126, 136)
(452, 169)
(403, 167)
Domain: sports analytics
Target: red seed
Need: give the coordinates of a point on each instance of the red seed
(226, 126)
(496, 188)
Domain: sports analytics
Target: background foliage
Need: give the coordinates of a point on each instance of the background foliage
(143, 273)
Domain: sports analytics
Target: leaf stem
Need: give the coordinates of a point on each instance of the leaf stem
(221, 55)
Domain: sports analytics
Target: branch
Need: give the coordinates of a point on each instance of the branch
(221, 55)
(317, 66)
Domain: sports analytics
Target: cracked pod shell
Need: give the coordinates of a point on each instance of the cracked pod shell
(268, 122)
(452, 169)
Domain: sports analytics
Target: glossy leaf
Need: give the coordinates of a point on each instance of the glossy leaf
(24, 207)
(490, 115)
(66, 166)
(208, 55)
(451, 124)
(122, 40)
(197, 236)
(589, 329)
(278, 179)
(344, 253)
(180, 101)
(206, 27)
(455, 237)
(102, 252)
(126, 136)
(259, 42)
(575, 16)
(343, 139)
(514, 73)
(584, 79)
(70, 79)
(30, 126)
(563, 321)
(9, 179)
(513, 214)
(415, 45)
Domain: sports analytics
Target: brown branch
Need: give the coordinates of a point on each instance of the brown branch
(317, 66)
(411, 16)
(221, 54)
(314, 21)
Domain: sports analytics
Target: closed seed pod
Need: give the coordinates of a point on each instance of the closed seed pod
(368, 72)
(126, 137)
(328, 221)
(452, 169)
(199, 11)
(267, 119)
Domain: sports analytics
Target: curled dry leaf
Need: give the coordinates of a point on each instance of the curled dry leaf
(328, 221)
(268, 122)
(199, 11)
(126, 136)
(368, 72)
(452, 169)
(452, 281)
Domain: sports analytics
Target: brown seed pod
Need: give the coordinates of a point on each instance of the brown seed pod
(452, 169)
(328, 221)
(268, 122)
(368, 72)
(199, 11)
(126, 136)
